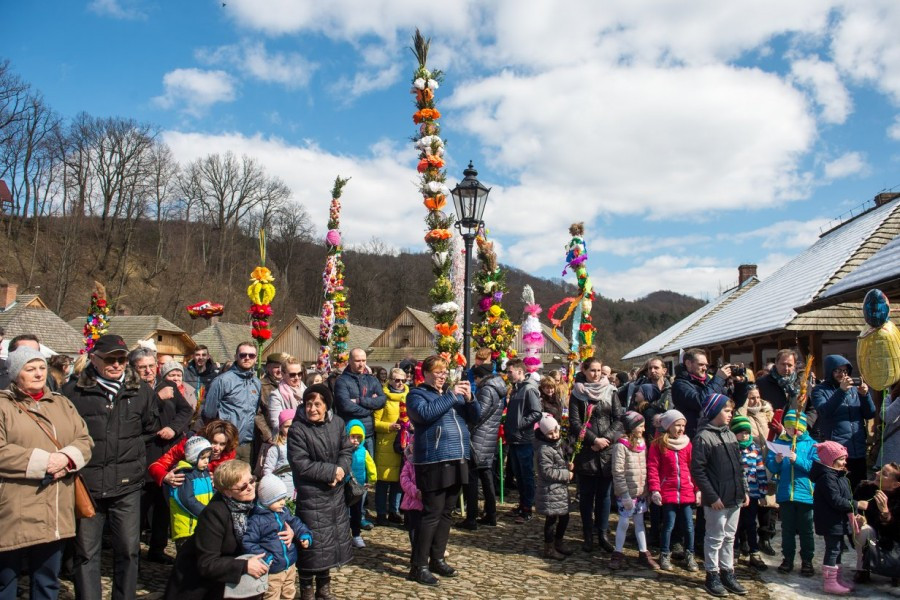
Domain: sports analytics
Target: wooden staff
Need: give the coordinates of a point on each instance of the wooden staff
(802, 397)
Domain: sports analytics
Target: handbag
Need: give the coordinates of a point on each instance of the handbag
(85, 508)
(353, 490)
(881, 561)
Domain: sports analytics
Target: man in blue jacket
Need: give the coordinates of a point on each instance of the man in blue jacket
(358, 394)
(234, 395)
(693, 385)
(842, 412)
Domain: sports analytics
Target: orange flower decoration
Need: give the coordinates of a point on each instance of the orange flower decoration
(446, 329)
(438, 234)
(426, 114)
(262, 275)
(422, 166)
(438, 202)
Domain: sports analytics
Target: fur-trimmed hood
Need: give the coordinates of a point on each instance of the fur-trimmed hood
(88, 378)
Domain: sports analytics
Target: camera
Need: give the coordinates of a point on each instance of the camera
(738, 371)
(857, 381)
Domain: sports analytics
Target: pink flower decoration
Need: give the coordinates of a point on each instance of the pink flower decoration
(333, 237)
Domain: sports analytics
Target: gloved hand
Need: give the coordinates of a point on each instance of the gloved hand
(656, 498)
(628, 503)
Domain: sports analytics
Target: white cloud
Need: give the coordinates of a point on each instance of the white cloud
(865, 45)
(668, 143)
(826, 86)
(126, 10)
(894, 130)
(364, 82)
(195, 90)
(289, 69)
(851, 163)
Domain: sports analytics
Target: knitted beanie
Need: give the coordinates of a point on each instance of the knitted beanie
(668, 418)
(741, 424)
(548, 424)
(322, 390)
(168, 367)
(20, 357)
(194, 447)
(356, 429)
(631, 420)
(713, 405)
(271, 489)
(798, 422)
(829, 452)
(287, 414)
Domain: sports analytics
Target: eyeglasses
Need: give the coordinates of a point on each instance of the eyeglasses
(294, 375)
(402, 380)
(250, 483)
(439, 373)
(245, 355)
(115, 360)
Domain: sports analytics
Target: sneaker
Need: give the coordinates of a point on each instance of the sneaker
(665, 562)
(677, 551)
(786, 566)
(689, 563)
(806, 569)
(730, 582)
(367, 525)
(757, 562)
(358, 542)
(713, 585)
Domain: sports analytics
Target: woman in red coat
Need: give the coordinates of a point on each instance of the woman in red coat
(221, 434)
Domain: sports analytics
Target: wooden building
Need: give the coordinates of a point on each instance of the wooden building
(751, 326)
(222, 339)
(411, 335)
(168, 337)
(300, 338)
(27, 313)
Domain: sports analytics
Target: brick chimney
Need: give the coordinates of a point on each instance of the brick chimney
(7, 294)
(745, 272)
(885, 197)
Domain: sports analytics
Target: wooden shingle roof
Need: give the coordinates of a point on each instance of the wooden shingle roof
(28, 314)
(360, 336)
(222, 339)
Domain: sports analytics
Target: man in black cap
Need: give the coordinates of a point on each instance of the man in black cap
(120, 413)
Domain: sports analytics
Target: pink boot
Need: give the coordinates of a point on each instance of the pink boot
(847, 582)
(832, 585)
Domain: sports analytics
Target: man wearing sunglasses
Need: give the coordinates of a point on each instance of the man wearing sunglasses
(120, 412)
(233, 396)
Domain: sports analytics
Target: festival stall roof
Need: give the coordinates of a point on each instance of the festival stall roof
(654, 346)
(27, 313)
(222, 339)
(764, 315)
(881, 270)
(168, 337)
(300, 338)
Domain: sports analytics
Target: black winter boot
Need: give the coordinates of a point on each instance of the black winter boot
(714, 585)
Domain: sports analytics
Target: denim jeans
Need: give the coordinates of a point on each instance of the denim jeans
(682, 514)
(593, 502)
(40, 562)
(387, 498)
(124, 517)
(523, 465)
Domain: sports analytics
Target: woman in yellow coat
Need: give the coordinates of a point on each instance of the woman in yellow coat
(387, 461)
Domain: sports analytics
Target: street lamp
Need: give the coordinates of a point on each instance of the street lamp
(469, 200)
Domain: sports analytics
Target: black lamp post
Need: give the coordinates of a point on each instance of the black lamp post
(469, 200)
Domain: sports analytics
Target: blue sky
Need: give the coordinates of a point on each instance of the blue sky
(690, 137)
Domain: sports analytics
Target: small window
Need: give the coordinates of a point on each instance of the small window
(159, 338)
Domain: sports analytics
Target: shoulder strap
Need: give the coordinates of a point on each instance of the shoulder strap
(24, 409)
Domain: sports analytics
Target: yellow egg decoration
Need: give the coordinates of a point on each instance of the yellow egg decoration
(878, 348)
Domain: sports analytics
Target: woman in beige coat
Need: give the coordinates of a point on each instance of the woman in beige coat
(37, 499)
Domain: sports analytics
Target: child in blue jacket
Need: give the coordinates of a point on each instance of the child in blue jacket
(188, 500)
(790, 468)
(266, 519)
(363, 470)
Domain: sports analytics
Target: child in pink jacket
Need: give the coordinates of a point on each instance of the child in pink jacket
(671, 486)
(411, 505)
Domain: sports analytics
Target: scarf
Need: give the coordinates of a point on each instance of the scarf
(591, 392)
(239, 511)
(293, 397)
(111, 387)
(744, 444)
(639, 447)
(788, 384)
(679, 443)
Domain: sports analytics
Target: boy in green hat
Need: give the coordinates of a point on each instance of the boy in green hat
(755, 474)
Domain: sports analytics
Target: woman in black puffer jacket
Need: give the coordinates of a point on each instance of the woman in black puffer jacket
(320, 455)
(491, 396)
(593, 463)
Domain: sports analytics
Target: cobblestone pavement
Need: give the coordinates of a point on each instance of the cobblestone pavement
(498, 563)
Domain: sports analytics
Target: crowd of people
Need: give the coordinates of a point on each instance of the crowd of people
(261, 478)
